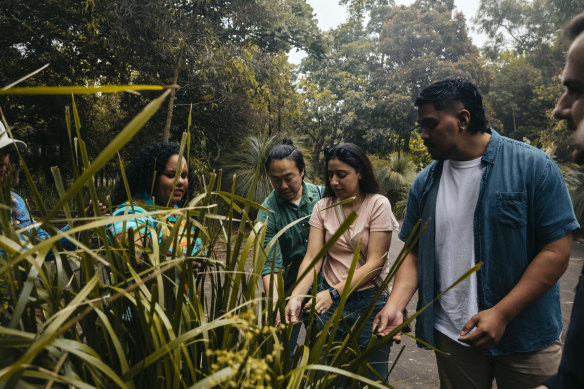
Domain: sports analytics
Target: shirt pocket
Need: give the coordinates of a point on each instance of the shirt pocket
(22, 217)
(512, 209)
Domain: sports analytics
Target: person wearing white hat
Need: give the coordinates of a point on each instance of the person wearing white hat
(6, 144)
(20, 215)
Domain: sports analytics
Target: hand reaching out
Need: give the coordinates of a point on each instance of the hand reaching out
(490, 325)
(322, 304)
(89, 209)
(293, 309)
(198, 266)
(386, 320)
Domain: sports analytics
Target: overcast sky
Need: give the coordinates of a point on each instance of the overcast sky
(330, 14)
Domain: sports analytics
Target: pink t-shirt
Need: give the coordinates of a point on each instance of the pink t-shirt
(373, 215)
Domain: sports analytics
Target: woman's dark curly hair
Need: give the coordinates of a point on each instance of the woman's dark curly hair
(149, 161)
(352, 155)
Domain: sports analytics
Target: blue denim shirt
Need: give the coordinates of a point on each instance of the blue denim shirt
(22, 219)
(523, 204)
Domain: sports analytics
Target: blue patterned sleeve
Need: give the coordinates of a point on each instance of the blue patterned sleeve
(139, 224)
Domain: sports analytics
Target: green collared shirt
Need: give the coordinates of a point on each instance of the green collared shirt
(292, 245)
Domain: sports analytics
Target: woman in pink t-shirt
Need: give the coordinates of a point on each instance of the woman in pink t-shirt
(350, 174)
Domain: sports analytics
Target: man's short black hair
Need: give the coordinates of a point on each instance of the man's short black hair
(443, 94)
(574, 28)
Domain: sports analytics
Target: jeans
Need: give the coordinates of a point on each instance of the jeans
(354, 308)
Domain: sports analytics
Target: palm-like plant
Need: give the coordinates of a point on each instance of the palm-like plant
(248, 160)
(394, 174)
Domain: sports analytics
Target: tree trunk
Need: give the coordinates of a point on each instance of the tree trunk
(166, 134)
(407, 143)
(270, 125)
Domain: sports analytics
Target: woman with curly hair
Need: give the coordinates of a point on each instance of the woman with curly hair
(156, 178)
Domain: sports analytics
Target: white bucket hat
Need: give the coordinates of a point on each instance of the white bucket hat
(5, 140)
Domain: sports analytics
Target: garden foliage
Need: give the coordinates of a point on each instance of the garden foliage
(114, 314)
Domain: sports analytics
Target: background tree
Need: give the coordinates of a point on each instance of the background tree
(526, 58)
(227, 57)
(378, 61)
(564, 10)
(521, 25)
(394, 173)
(320, 121)
(357, 83)
(418, 45)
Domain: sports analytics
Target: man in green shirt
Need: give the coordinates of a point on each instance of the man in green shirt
(291, 199)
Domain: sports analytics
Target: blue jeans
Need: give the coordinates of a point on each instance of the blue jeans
(354, 308)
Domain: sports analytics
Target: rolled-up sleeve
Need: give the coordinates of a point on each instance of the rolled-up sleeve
(412, 215)
(554, 213)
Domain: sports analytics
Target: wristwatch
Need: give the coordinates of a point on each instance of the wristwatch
(334, 293)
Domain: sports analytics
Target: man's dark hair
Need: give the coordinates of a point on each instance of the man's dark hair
(574, 28)
(352, 155)
(443, 94)
(286, 150)
(150, 162)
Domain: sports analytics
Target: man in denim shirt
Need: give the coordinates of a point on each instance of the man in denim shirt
(493, 200)
(570, 108)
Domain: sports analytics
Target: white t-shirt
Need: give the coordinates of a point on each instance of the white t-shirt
(455, 206)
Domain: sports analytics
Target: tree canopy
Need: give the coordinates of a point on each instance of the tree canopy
(229, 60)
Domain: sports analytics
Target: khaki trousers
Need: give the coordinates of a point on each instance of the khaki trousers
(468, 368)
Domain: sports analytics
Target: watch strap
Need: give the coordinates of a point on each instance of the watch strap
(334, 293)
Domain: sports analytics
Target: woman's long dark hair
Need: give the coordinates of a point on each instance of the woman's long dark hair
(352, 155)
(149, 161)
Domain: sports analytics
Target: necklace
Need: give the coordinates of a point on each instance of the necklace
(353, 206)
